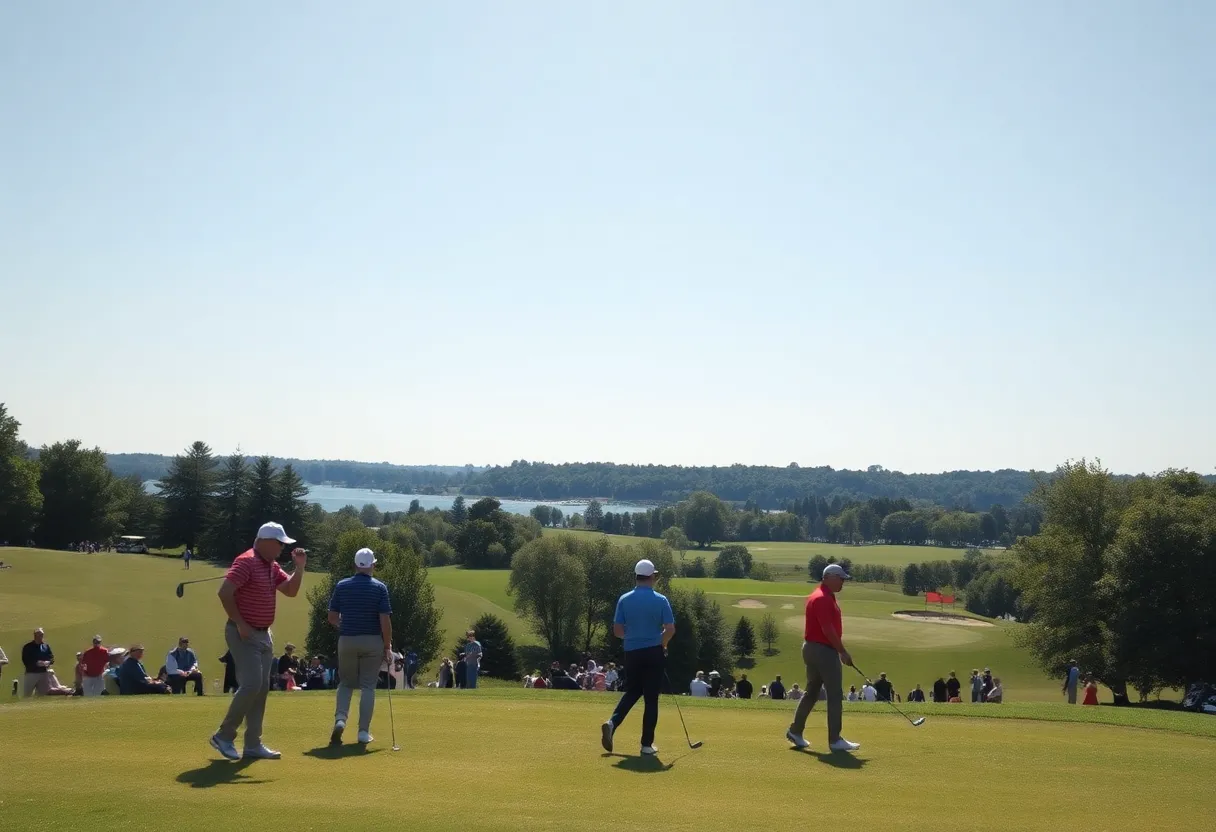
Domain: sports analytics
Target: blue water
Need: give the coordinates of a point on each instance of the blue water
(333, 497)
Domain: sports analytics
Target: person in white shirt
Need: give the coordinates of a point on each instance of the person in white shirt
(392, 668)
(868, 693)
(795, 693)
(852, 697)
(610, 678)
(698, 686)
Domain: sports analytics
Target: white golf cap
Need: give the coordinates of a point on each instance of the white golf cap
(365, 559)
(274, 531)
(835, 569)
(644, 569)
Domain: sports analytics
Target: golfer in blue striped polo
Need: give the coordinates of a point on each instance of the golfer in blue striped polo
(360, 609)
(645, 622)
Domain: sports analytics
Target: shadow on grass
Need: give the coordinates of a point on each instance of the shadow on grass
(643, 764)
(339, 752)
(218, 773)
(836, 759)
(771, 651)
(747, 663)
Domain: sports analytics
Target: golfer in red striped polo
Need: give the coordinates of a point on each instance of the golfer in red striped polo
(248, 596)
(823, 654)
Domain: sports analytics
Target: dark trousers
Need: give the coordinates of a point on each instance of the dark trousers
(178, 683)
(643, 680)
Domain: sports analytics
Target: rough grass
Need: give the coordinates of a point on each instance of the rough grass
(533, 760)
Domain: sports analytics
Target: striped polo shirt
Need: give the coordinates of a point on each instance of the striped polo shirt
(256, 582)
(360, 600)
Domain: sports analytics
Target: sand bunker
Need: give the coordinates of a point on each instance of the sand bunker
(932, 617)
(750, 604)
(787, 606)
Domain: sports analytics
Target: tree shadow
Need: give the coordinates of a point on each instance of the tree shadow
(642, 764)
(771, 651)
(747, 662)
(218, 773)
(836, 759)
(339, 752)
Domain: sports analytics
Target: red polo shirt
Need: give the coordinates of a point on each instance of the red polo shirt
(95, 661)
(822, 610)
(256, 582)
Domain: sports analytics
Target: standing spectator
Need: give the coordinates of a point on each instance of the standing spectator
(3, 662)
(411, 667)
(940, 694)
(446, 674)
(953, 687)
(182, 666)
(472, 659)
(94, 662)
(187, 556)
(133, 680)
(698, 686)
(289, 666)
(987, 685)
(1070, 681)
(360, 609)
(229, 671)
(884, 688)
(248, 596)
(1091, 692)
(37, 657)
(743, 688)
(776, 689)
(916, 695)
(997, 693)
(977, 685)
(645, 621)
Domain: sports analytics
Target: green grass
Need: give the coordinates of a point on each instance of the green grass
(541, 765)
(786, 555)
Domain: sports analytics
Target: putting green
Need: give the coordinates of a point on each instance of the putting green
(533, 757)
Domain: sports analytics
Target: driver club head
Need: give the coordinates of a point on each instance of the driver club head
(181, 589)
(919, 721)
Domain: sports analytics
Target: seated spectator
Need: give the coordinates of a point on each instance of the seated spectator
(78, 676)
(883, 688)
(289, 665)
(599, 679)
(446, 677)
(561, 680)
(940, 692)
(776, 689)
(538, 681)
(763, 692)
(37, 657)
(743, 688)
(181, 667)
(229, 664)
(316, 677)
(698, 686)
(3, 661)
(795, 693)
(997, 694)
(868, 693)
(611, 676)
(109, 677)
(917, 695)
(715, 684)
(852, 697)
(133, 680)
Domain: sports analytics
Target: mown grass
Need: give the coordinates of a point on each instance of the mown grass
(533, 761)
(796, 554)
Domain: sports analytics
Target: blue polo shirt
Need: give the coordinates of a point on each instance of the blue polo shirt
(360, 600)
(643, 612)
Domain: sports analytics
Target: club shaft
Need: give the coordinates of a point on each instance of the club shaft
(676, 701)
(888, 701)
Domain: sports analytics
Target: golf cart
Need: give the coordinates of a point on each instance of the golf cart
(132, 544)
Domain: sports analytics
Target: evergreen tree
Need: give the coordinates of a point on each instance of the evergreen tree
(262, 507)
(459, 512)
(229, 532)
(291, 503)
(499, 659)
(745, 637)
(77, 491)
(188, 491)
(20, 498)
(594, 515)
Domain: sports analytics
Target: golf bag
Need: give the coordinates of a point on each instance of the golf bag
(1200, 697)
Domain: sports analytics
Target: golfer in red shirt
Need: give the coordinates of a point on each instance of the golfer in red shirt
(248, 595)
(823, 653)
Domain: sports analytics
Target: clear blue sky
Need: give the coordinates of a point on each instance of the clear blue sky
(923, 235)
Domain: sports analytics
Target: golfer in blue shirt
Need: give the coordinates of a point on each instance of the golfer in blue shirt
(360, 609)
(645, 622)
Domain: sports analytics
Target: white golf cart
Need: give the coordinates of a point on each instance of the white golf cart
(132, 544)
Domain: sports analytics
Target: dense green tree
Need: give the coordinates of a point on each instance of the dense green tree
(487, 508)
(609, 571)
(134, 510)
(555, 516)
(700, 642)
(441, 553)
(705, 518)
(77, 492)
(262, 499)
(744, 639)
(415, 507)
(20, 497)
(594, 514)
(695, 568)
(499, 658)
(459, 512)
(815, 567)
(549, 585)
(677, 541)
(188, 491)
(229, 532)
(911, 579)
(371, 516)
(733, 561)
(543, 514)
(291, 503)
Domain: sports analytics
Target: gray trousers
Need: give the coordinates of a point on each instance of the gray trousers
(823, 669)
(359, 659)
(253, 659)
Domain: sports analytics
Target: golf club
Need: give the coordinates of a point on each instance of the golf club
(676, 700)
(389, 695)
(916, 723)
(181, 588)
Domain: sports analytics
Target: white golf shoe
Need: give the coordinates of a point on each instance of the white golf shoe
(797, 740)
(365, 737)
(844, 745)
(650, 750)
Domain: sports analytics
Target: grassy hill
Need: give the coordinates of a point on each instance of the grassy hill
(534, 762)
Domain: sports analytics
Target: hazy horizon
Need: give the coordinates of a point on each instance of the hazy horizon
(935, 236)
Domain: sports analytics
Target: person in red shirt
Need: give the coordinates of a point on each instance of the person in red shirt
(823, 653)
(94, 662)
(248, 597)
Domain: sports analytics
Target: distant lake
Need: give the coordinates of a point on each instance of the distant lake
(333, 497)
